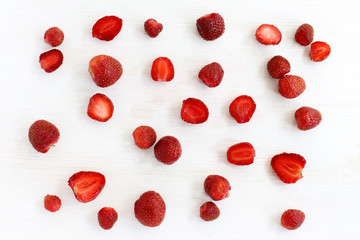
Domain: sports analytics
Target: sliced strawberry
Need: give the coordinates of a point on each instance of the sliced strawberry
(242, 108)
(319, 51)
(153, 27)
(51, 60)
(100, 108)
(107, 28)
(288, 166)
(86, 185)
(268, 34)
(162, 70)
(241, 154)
(194, 111)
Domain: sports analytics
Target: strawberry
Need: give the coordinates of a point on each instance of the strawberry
(241, 154)
(319, 51)
(51, 60)
(54, 36)
(105, 70)
(307, 118)
(211, 75)
(150, 209)
(144, 137)
(152, 27)
(292, 219)
(100, 108)
(194, 111)
(162, 70)
(86, 185)
(268, 34)
(304, 34)
(242, 108)
(107, 217)
(217, 187)
(288, 166)
(291, 86)
(52, 203)
(167, 150)
(210, 26)
(209, 211)
(107, 28)
(278, 66)
(43, 135)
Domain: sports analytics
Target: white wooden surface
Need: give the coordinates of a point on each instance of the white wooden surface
(329, 193)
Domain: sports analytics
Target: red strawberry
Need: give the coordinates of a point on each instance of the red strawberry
(162, 70)
(209, 211)
(43, 135)
(291, 86)
(51, 60)
(268, 34)
(212, 74)
(241, 154)
(319, 51)
(100, 108)
(54, 36)
(288, 166)
(292, 219)
(152, 27)
(278, 66)
(144, 137)
(107, 217)
(150, 209)
(217, 187)
(107, 28)
(167, 150)
(52, 203)
(242, 108)
(86, 185)
(194, 111)
(304, 34)
(307, 118)
(210, 26)
(105, 70)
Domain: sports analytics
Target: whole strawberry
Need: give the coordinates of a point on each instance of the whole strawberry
(307, 118)
(167, 150)
(212, 74)
(210, 26)
(291, 86)
(278, 66)
(153, 27)
(304, 34)
(54, 36)
(105, 70)
(107, 217)
(209, 211)
(43, 135)
(52, 203)
(292, 219)
(217, 187)
(150, 209)
(144, 137)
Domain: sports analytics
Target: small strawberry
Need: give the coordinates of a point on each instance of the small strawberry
(162, 70)
(241, 154)
(86, 185)
(54, 36)
(268, 34)
(43, 135)
(51, 60)
(167, 150)
(194, 111)
(210, 26)
(150, 209)
(52, 203)
(217, 187)
(291, 86)
(107, 217)
(152, 27)
(307, 118)
(288, 166)
(292, 219)
(107, 28)
(209, 211)
(304, 34)
(319, 51)
(211, 75)
(105, 70)
(100, 108)
(278, 66)
(242, 108)
(144, 137)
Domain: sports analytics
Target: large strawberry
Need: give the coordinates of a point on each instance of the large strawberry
(150, 209)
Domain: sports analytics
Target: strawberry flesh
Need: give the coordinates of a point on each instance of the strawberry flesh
(288, 166)
(54, 36)
(292, 219)
(241, 154)
(319, 51)
(51, 60)
(242, 108)
(100, 108)
(152, 27)
(107, 28)
(268, 34)
(307, 118)
(107, 216)
(162, 70)
(194, 111)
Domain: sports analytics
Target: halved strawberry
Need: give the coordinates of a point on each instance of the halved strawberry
(107, 28)
(194, 111)
(51, 60)
(288, 166)
(319, 51)
(268, 34)
(162, 70)
(86, 185)
(241, 154)
(242, 108)
(100, 108)
(153, 27)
